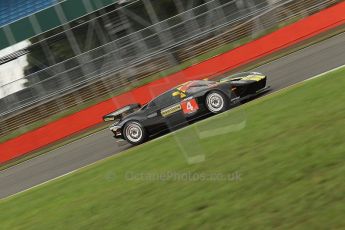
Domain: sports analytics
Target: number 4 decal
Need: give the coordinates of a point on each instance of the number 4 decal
(189, 106)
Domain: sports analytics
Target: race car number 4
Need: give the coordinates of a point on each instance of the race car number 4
(189, 106)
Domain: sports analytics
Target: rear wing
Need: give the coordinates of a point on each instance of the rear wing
(120, 113)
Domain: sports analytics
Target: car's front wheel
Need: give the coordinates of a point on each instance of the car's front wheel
(216, 102)
(134, 133)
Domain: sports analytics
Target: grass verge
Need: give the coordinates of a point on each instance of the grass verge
(281, 169)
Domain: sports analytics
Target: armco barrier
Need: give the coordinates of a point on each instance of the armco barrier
(289, 35)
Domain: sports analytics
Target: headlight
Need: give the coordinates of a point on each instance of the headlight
(257, 73)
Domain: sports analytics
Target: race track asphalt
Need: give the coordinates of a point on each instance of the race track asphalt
(281, 73)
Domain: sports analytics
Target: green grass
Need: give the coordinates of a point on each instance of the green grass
(289, 155)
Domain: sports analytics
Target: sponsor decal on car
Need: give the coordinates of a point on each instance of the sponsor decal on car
(170, 110)
(178, 93)
(184, 87)
(181, 90)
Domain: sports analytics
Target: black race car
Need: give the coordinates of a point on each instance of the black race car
(182, 105)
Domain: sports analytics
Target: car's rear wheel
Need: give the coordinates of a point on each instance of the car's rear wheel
(216, 102)
(134, 133)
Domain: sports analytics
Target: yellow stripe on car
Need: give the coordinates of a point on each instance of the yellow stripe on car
(253, 77)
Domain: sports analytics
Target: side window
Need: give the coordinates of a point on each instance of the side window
(167, 99)
(160, 101)
(164, 100)
(151, 104)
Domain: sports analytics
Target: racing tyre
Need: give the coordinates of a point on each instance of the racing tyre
(216, 102)
(134, 133)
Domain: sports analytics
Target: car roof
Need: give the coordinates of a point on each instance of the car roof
(178, 87)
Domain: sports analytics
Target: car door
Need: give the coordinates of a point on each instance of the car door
(154, 121)
(163, 112)
(172, 109)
